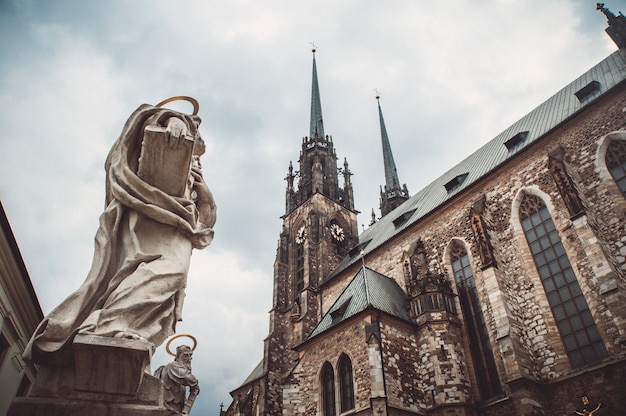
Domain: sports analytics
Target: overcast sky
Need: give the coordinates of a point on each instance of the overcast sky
(452, 75)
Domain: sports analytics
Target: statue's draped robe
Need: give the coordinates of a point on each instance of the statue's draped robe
(142, 251)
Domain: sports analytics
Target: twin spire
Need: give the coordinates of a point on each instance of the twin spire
(391, 173)
(318, 170)
(392, 195)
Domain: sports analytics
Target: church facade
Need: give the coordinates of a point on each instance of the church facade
(499, 289)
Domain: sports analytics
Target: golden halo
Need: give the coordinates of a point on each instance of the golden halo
(192, 100)
(191, 337)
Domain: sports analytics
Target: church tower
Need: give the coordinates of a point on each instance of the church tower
(392, 195)
(319, 228)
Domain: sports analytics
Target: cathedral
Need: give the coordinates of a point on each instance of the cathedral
(498, 289)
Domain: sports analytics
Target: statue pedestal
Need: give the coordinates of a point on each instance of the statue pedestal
(110, 376)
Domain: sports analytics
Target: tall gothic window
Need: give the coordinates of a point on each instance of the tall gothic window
(569, 307)
(299, 267)
(616, 163)
(480, 347)
(346, 384)
(328, 389)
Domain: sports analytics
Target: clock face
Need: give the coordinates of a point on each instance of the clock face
(337, 232)
(300, 235)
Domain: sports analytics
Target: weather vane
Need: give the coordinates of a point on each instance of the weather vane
(377, 93)
(314, 47)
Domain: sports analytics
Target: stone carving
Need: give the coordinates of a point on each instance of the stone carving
(177, 377)
(135, 287)
(479, 229)
(564, 183)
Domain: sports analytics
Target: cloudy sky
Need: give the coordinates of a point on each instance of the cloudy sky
(452, 75)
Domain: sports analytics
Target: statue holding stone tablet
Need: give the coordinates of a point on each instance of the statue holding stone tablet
(158, 208)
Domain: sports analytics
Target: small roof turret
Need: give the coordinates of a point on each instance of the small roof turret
(617, 25)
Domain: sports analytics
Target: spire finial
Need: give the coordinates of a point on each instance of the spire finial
(377, 93)
(313, 49)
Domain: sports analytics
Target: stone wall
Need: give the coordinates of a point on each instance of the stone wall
(522, 329)
(302, 390)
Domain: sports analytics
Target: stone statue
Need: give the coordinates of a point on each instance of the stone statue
(135, 287)
(176, 377)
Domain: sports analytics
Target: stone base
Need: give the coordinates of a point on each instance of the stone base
(110, 365)
(111, 376)
(34, 406)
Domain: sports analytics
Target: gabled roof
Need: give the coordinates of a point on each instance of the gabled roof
(256, 374)
(529, 129)
(368, 289)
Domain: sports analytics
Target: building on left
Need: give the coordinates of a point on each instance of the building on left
(20, 313)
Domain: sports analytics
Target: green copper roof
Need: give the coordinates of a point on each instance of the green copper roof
(367, 289)
(575, 97)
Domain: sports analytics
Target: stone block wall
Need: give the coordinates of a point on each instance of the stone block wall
(522, 328)
(302, 390)
(402, 356)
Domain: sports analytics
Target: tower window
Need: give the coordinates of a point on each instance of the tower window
(328, 390)
(346, 383)
(478, 337)
(299, 267)
(616, 163)
(576, 326)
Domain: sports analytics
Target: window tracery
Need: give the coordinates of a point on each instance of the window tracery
(574, 321)
(478, 335)
(328, 390)
(346, 383)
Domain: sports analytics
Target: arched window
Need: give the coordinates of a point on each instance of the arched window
(346, 384)
(569, 307)
(300, 239)
(480, 347)
(616, 163)
(328, 389)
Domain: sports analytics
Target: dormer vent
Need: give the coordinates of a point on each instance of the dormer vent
(516, 140)
(586, 91)
(455, 183)
(404, 217)
(338, 313)
(356, 250)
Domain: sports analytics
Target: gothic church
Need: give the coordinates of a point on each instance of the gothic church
(499, 289)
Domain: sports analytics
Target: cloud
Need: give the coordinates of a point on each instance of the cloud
(71, 72)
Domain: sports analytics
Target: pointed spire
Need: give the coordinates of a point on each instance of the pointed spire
(317, 125)
(393, 195)
(391, 173)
